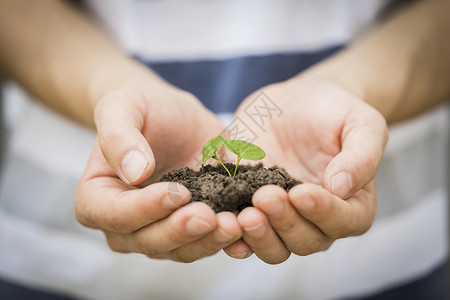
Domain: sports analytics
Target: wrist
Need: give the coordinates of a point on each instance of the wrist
(346, 71)
(132, 81)
(123, 73)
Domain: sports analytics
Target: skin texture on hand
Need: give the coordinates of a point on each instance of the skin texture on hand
(332, 141)
(141, 135)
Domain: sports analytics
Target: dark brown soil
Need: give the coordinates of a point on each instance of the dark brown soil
(213, 185)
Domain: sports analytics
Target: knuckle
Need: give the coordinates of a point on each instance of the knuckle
(116, 242)
(116, 246)
(371, 161)
(327, 245)
(80, 210)
(180, 256)
(277, 260)
(82, 218)
(109, 133)
(142, 246)
(173, 238)
(114, 100)
(310, 247)
(347, 229)
(351, 227)
(116, 223)
(363, 228)
(209, 250)
(187, 95)
(322, 209)
(286, 226)
(174, 235)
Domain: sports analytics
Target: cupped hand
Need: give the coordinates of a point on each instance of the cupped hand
(143, 133)
(331, 140)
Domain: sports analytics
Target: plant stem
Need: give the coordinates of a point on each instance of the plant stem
(223, 165)
(237, 163)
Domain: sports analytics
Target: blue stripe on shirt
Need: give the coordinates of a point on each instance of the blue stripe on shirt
(222, 84)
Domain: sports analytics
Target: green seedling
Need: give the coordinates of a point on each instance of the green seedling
(210, 148)
(243, 150)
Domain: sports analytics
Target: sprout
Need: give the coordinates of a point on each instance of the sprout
(210, 148)
(243, 150)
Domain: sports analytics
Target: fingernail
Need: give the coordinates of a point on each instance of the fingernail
(174, 197)
(272, 206)
(133, 165)
(256, 231)
(243, 255)
(341, 184)
(197, 226)
(174, 200)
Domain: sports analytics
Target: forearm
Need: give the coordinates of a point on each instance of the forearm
(61, 58)
(402, 67)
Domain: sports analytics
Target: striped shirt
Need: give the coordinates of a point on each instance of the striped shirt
(221, 51)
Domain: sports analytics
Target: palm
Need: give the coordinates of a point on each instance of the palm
(329, 139)
(180, 144)
(307, 134)
(302, 148)
(307, 140)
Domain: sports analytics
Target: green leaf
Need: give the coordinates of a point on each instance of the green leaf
(210, 147)
(245, 150)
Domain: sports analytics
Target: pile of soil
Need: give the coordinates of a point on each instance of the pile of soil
(213, 186)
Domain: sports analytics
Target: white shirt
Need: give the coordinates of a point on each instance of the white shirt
(43, 245)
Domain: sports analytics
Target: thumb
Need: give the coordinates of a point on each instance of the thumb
(119, 118)
(363, 144)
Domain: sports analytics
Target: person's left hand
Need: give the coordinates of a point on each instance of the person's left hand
(333, 142)
(143, 132)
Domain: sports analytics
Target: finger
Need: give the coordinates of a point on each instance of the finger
(183, 226)
(336, 217)
(239, 250)
(363, 140)
(119, 117)
(226, 232)
(261, 238)
(298, 234)
(113, 208)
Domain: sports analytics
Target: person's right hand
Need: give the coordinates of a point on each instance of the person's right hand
(143, 133)
(331, 140)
